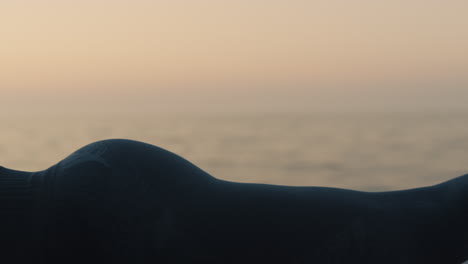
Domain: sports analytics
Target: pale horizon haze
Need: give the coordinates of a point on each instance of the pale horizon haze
(233, 56)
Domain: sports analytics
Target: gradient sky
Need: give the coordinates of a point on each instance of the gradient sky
(219, 55)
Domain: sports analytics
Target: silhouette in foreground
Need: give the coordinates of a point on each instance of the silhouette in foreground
(123, 201)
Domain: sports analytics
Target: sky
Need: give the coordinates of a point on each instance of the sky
(255, 55)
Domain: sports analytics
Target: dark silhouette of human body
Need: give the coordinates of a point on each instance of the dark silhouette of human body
(123, 201)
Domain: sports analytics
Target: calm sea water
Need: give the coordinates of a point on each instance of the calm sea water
(359, 151)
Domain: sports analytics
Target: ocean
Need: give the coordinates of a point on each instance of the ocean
(362, 151)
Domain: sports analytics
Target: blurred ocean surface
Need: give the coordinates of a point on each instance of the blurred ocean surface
(372, 151)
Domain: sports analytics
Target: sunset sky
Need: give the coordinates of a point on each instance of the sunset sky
(233, 55)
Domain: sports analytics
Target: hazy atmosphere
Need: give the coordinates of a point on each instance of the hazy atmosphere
(360, 94)
(275, 99)
(234, 56)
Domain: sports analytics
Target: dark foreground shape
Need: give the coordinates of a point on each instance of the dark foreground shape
(123, 201)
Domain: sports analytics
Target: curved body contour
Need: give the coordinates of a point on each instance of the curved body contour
(124, 201)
